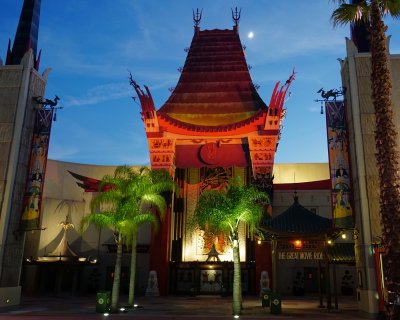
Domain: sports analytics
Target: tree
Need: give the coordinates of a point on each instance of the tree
(222, 212)
(387, 156)
(146, 196)
(127, 201)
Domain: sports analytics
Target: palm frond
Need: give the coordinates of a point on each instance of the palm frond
(350, 13)
(123, 207)
(223, 211)
(390, 8)
(106, 219)
(156, 200)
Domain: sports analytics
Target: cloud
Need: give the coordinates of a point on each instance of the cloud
(314, 109)
(62, 151)
(99, 94)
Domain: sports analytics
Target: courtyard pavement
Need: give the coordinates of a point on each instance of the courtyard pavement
(176, 307)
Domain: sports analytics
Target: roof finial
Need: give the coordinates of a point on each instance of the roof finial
(197, 18)
(236, 16)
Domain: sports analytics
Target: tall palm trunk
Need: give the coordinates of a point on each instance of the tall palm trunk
(131, 296)
(387, 156)
(237, 295)
(117, 276)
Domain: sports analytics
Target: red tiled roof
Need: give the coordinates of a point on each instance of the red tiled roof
(215, 87)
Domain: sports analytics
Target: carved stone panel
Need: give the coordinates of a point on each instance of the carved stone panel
(161, 145)
(262, 143)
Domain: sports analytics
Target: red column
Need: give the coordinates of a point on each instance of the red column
(263, 262)
(159, 253)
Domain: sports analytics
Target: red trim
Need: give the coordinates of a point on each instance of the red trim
(226, 155)
(246, 126)
(154, 134)
(312, 185)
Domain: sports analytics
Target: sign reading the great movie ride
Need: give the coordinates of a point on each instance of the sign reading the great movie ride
(300, 255)
(339, 164)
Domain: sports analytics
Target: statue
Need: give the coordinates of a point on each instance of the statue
(152, 285)
(333, 93)
(264, 281)
(47, 103)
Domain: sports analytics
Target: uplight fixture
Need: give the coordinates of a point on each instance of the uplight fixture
(298, 244)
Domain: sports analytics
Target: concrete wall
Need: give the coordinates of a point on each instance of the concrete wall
(18, 85)
(63, 197)
(356, 71)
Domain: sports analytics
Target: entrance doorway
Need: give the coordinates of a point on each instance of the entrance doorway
(311, 280)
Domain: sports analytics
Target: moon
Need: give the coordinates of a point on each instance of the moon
(250, 35)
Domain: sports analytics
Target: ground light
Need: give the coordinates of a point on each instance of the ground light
(236, 316)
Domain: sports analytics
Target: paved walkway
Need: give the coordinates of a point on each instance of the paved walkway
(176, 307)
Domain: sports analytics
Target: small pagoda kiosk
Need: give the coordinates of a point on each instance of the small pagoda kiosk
(298, 234)
(213, 126)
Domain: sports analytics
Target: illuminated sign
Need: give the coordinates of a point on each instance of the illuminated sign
(300, 255)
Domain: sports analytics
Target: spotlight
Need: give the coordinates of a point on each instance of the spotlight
(344, 236)
(298, 244)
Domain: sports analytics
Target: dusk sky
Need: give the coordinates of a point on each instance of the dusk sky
(92, 45)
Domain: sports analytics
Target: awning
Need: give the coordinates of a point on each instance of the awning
(341, 253)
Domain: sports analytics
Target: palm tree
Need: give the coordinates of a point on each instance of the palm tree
(387, 156)
(124, 206)
(146, 196)
(222, 212)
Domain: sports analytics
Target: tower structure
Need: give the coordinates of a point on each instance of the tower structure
(213, 126)
(20, 82)
(356, 73)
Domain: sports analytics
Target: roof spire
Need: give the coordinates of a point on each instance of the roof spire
(197, 19)
(27, 33)
(236, 18)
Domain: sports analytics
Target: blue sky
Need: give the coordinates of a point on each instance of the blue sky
(91, 45)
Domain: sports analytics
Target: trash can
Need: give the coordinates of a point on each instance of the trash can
(103, 301)
(276, 303)
(266, 297)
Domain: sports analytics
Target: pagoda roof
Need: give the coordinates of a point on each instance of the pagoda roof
(296, 221)
(215, 87)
